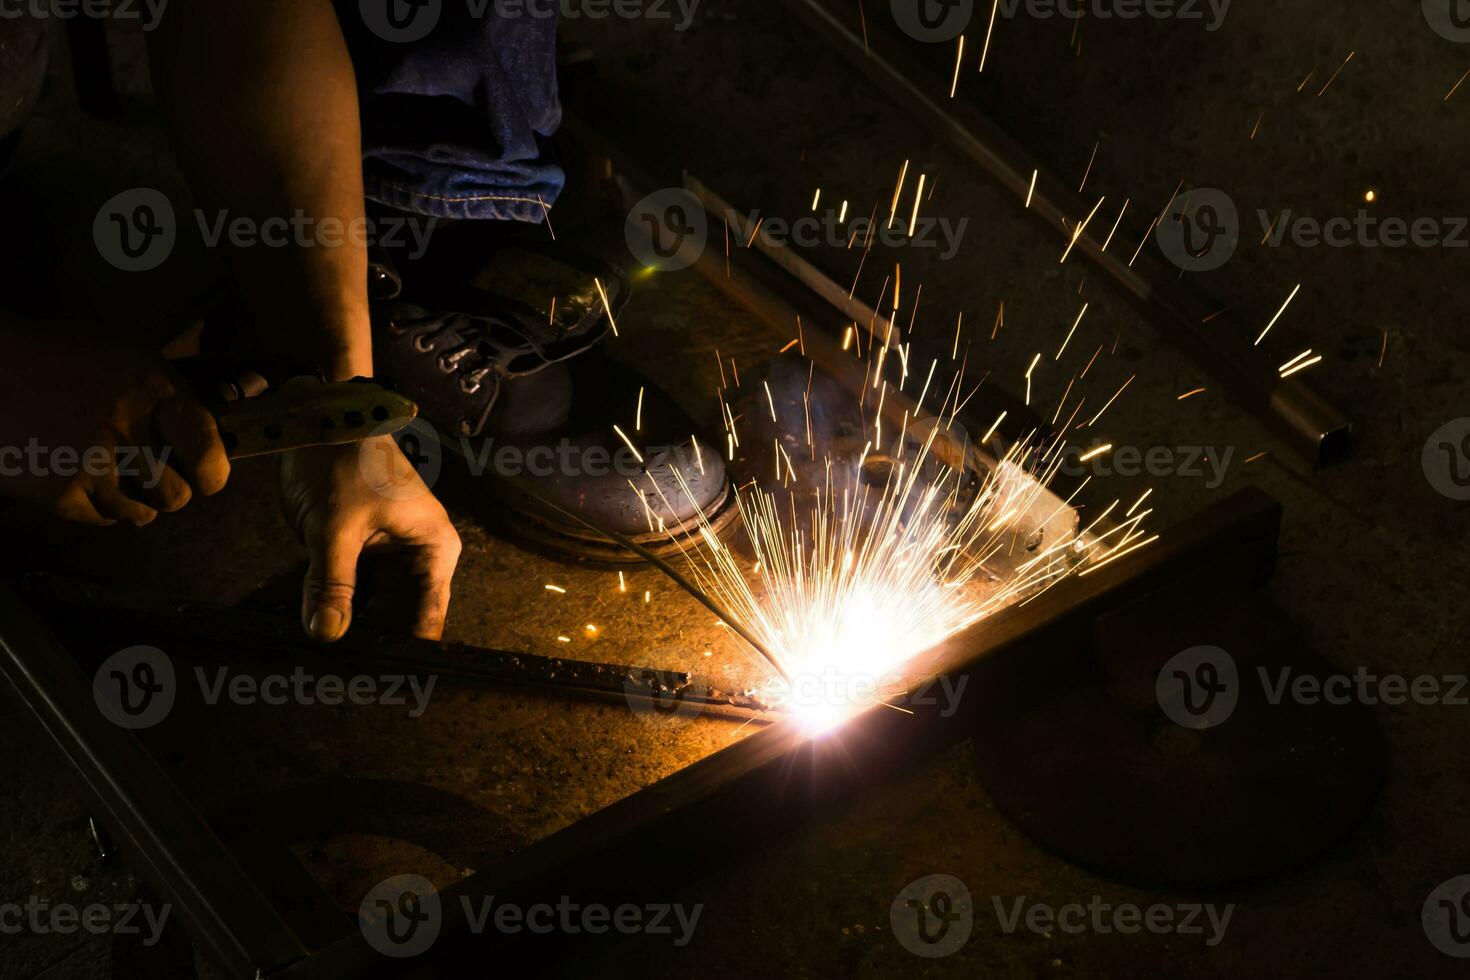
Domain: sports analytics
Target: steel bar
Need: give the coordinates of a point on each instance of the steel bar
(952, 445)
(759, 296)
(164, 838)
(779, 776)
(826, 351)
(954, 450)
(788, 259)
(219, 628)
(1189, 318)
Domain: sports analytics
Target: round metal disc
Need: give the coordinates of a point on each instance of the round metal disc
(1082, 755)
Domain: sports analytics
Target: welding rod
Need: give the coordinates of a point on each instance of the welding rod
(1314, 426)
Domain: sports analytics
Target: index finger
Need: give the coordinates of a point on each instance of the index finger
(436, 562)
(422, 576)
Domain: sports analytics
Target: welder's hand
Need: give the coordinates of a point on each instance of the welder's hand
(367, 502)
(154, 449)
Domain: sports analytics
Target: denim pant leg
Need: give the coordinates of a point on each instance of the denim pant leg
(459, 100)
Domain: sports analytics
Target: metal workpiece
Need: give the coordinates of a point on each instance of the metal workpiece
(785, 775)
(208, 629)
(822, 347)
(779, 301)
(792, 262)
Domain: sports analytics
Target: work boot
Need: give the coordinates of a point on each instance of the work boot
(587, 492)
(500, 361)
(456, 346)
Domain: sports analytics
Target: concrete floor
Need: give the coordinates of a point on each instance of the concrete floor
(1373, 566)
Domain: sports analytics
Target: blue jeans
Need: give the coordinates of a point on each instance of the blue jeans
(459, 100)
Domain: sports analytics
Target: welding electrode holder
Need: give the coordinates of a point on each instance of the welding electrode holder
(259, 419)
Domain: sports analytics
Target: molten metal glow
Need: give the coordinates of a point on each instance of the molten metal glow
(853, 580)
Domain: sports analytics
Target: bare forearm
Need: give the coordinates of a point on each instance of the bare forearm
(263, 103)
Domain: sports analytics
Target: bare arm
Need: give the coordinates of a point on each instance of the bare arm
(263, 100)
(263, 103)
